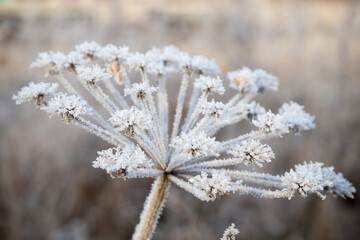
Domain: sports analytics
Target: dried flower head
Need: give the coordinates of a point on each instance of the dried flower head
(67, 107)
(35, 92)
(230, 233)
(252, 152)
(187, 155)
(296, 118)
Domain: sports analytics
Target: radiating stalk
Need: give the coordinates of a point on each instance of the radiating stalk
(152, 209)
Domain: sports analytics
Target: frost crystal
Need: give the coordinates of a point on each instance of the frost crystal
(189, 157)
(314, 178)
(254, 109)
(35, 92)
(89, 49)
(130, 120)
(111, 53)
(92, 75)
(252, 152)
(121, 161)
(204, 66)
(216, 185)
(253, 82)
(52, 62)
(210, 85)
(296, 118)
(271, 123)
(212, 108)
(67, 107)
(140, 90)
(195, 144)
(230, 233)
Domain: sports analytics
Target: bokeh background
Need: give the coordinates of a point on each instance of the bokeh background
(48, 189)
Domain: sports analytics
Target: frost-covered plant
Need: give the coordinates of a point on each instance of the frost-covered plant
(135, 120)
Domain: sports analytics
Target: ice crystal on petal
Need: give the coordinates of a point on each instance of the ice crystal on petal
(230, 233)
(252, 152)
(67, 106)
(118, 161)
(130, 120)
(195, 144)
(271, 123)
(216, 185)
(296, 118)
(210, 85)
(35, 92)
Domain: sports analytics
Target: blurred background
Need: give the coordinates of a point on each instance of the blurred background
(48, 189)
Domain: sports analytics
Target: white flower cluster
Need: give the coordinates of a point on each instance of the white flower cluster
(252, 152)
(210, 85)
(296, 118)
(314, 178)
(252, 81)
(130, 120)
(230, 233)
(67, 106)
(35, 92)
(121, 161)
(271, 123)
(195, 144)
(188, 154)
(140, 90)
(216, 185)
(93, 74)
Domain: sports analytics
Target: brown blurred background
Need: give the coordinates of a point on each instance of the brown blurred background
(48, 189)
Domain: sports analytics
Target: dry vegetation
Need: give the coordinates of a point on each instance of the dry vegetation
(48, 189)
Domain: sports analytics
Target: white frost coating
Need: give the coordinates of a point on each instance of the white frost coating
(252, 152)
(212, 108)
(92, 75)
(52, 62)
(67, 106)
(210, 85)
(230, 233)
(271, 123)
(111, 53)
(35, 92)
(314, 178)
(216, 185)
(195, 144)
(130, 120)
(124, 160)
(253, 109)
(204, 66)
(89, 49)
(252, 81)
(296, 118)
(140, 90)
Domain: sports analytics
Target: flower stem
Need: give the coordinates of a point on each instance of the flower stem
(152, 209)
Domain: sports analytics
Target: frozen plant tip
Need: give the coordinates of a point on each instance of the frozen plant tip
(230, 233)
(134, 118)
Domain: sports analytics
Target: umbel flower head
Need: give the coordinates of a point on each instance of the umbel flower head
(182, 149)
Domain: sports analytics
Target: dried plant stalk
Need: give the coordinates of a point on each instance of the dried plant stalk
(152, 209)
